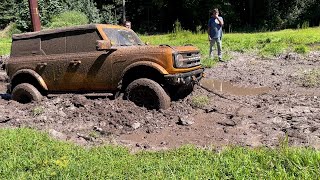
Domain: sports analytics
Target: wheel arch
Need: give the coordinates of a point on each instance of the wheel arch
(143, 69)
(28, 76)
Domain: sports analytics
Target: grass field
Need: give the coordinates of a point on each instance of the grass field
(27, 154)
(267, 44)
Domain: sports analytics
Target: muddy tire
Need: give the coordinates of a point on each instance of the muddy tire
(26, 93)
(147, 93)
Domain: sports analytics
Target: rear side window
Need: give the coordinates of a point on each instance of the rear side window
(53, 43)
(82, 41)
(25, 47)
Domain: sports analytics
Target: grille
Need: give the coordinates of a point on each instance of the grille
(190, 59)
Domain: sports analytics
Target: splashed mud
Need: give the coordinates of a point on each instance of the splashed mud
(252, 102)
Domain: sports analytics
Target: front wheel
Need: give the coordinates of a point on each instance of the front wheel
(25, 93)
(147, 93)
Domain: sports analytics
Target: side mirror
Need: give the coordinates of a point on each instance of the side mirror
(103, 45)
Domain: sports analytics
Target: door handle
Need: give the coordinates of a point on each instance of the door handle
(75, 62)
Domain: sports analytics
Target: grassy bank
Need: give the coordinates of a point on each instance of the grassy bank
(5, 45)
(27, 154)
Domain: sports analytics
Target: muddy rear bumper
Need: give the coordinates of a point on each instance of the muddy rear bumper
(185, 78)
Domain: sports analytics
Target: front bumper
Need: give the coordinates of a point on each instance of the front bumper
(185, 78)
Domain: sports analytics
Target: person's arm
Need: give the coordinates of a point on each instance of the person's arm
(220, 20)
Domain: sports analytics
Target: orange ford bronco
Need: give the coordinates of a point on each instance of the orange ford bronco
(100, 58)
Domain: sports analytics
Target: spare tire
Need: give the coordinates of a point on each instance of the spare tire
(26, 93)
(147, 93)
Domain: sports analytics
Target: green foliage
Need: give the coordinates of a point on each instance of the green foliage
(177, 27)
(159, 16)
(273, 49)
(47, 9)
(69, 18)
(266, 44)
(7, 12)
(109, 15)
(200, 101)
(301, 49)
(51, 8)
(208, 62)
(27, 154)
(9, 31)
(310, 78)
(5, 45)
(88, 7)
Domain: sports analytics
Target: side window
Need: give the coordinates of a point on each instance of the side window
(53, 43)
(82, 41)
(26, 47)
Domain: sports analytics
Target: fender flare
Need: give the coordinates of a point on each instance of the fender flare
(150, 64)
(33, 74)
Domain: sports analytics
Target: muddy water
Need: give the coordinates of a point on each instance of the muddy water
(226, 87)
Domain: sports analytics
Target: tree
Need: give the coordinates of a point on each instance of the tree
(110, 11)
(50, 8)
(7, 12)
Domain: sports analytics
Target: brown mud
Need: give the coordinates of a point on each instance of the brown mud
(252, 102)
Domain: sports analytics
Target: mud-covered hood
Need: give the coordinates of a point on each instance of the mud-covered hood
(158, 49)
(184, 49)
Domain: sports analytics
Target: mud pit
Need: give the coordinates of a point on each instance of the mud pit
(281, 106)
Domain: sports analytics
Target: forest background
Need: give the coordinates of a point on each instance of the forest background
(160, 16)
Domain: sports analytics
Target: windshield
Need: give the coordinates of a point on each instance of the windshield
(122, 37)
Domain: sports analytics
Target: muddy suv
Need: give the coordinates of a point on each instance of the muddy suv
(100, 58)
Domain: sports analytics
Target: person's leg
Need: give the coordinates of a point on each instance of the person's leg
(219, 47)
(211, 47)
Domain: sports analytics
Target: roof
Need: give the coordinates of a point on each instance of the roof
(53, 31)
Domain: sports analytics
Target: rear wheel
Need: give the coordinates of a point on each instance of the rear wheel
(147, 93)
(25, 93)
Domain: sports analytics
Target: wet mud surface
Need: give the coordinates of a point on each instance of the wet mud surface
(251, 102)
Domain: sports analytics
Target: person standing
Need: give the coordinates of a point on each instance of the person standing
(127, 24)
(215, 32)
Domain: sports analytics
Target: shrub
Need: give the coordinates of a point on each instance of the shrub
(9, 30)
(200, 101)
(301, 49)
(69, 18)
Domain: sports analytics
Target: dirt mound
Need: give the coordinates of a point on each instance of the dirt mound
(287, 109)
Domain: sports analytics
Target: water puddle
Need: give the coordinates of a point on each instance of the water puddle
(226, 87)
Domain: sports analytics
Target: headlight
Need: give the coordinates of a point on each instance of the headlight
(179, 60)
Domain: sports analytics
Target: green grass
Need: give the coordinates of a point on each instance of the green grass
(5, 45)
(200, 101)
(265, 44)
(27, 154)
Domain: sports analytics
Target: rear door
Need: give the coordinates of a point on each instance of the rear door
(73, 64)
